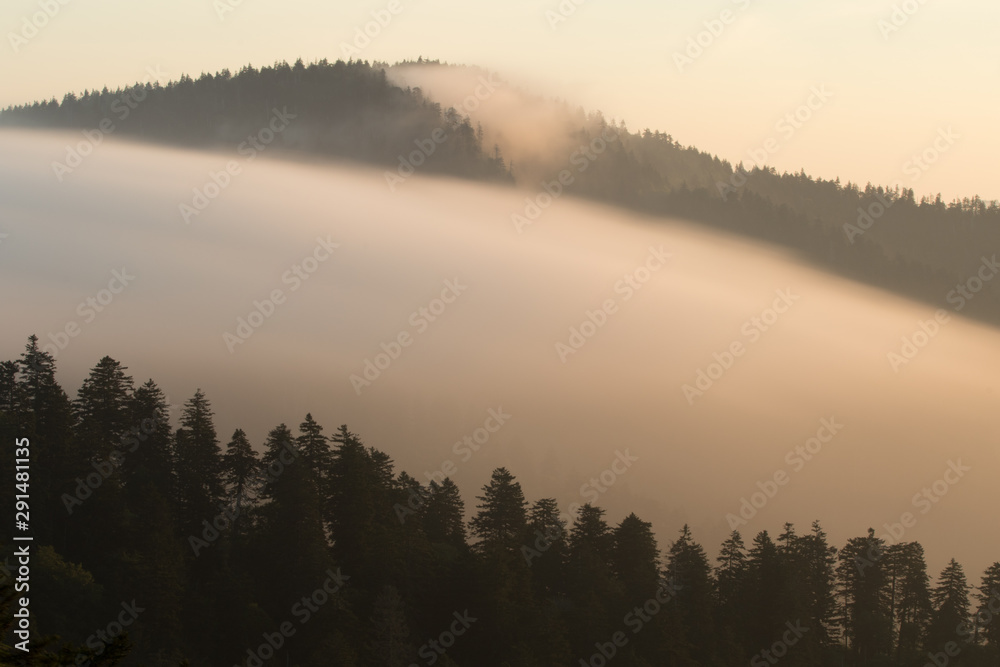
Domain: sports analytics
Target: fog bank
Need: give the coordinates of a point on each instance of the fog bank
(339, 268)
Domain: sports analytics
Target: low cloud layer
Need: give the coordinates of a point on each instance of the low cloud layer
(561, 351)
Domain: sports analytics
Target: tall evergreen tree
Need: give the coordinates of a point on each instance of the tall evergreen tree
(361, 514)
(546, 549)
(767, 591)
(444, 514)
(911, 598)
(635, 559)
(733, 605)
(950, 603)
(103, 410)
(314, 448)
(242, 475)
(867, 601)
(688, 569)
(501, 522)
(988, 611)
(199, 465)
(500, 525)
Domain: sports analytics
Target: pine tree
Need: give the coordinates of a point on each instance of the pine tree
(867, 601)
(36, 407)
(444, 514)
(950, 603)
(501, 528)
(988, 610)
(242, 474)
(314, 448)
(732, 603)
(361, 514)
(911, 598)
(635, 559)
(103, 410)
(689, 570)
(153, 560)
(148, 466)
(820, 561)
(199, 466)
(546, 550)
(296, 541)
(767, 587)
(501, 522)
(294, 559)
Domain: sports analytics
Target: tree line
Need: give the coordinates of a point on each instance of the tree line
(341, 109)
(314, 550)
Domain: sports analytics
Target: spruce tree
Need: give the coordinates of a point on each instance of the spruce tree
(242, 475)
(501, 522)
(951, 607)
(199, 466)
(911, 598)
(688, 569)
(732, 599)
(866, 597)
(988, 611)
(104, 415)
(635, 559)
(444, 514)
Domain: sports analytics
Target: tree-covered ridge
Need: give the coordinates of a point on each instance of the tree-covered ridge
(314, 550)
(920, 246)
(342, 109)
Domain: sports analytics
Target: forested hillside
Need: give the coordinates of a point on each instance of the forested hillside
(892, 237)
(344, 110)
(159, 543)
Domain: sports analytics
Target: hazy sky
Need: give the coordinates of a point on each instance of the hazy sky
(892, 90)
